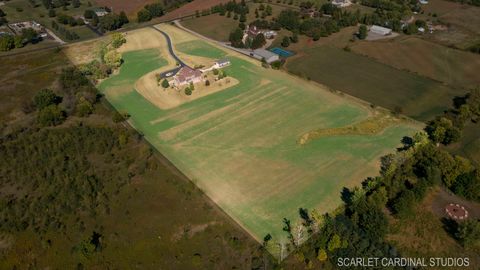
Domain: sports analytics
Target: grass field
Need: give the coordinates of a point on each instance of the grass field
(428, 59)
(219, 27)
(240, 145)
(380, 84)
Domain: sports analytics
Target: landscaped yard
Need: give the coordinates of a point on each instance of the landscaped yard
(240, 145)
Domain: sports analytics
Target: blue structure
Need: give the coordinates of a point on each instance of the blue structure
(281, 52)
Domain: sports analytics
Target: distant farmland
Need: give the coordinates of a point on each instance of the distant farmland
(241, 145)
(360, 76)
(428, 59)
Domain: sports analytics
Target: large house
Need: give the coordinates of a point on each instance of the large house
(252, 31)
(18, 28)
(187, 75)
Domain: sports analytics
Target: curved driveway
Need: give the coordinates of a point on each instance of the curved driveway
(171, 72)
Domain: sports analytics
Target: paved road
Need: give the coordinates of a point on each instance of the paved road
(181, 64)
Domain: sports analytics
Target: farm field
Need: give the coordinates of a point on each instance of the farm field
(380, 84)
(240, 145)
(428, 59)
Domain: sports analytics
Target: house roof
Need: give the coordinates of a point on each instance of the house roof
(222, 61)
(186, 73)
(253, 31)
(380, 29)
(264, 53)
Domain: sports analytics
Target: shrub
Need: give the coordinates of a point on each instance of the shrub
(51, 115)
(45, 98)
(188, 91)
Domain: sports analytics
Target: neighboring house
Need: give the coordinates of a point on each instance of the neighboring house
(252, 31)
(341, 3)
(187, 75)
(17, 28)
(269, 56)
(308, 12)
(379, 30)
(100, 12)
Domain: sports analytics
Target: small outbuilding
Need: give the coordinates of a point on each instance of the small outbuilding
(269, 56)
(379, 30)
(221, 63)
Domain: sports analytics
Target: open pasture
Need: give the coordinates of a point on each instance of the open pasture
(428, 59)
(413, 95)
(240, 145)
(219, 27)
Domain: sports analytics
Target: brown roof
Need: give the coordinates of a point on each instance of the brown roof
(252, 31)
(187, 73)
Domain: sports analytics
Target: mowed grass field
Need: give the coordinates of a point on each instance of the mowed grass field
(240, 145)
(417, 96)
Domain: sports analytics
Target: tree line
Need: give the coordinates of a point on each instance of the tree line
(359, 229)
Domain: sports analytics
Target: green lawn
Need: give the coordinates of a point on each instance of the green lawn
(362, 77)
(240, 145)
(200, 48)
